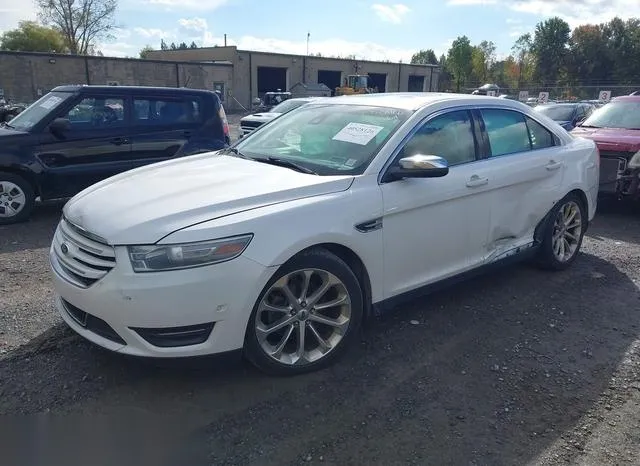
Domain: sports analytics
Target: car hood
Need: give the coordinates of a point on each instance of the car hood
(266, 116)
(146, 204)
(612, 139)
(8, 133)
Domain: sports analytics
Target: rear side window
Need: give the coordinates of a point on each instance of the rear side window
(541, 137)
(96, 112)
(167, 111)
(507, 131)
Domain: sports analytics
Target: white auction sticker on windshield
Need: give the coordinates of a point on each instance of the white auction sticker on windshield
(358, 133)
(51, 102)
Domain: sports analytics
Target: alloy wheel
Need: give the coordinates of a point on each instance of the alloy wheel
(567, 231)
(303, 316)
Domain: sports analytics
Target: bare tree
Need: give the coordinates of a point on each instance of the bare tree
(81, 22)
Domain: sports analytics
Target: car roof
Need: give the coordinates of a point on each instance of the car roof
(628, 98)
(414, 100)
(130, 89)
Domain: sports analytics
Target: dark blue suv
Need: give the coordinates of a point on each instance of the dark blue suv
(76, 136)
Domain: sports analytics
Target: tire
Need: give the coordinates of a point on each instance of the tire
(549, 255)
(315, 267)
(17, 199)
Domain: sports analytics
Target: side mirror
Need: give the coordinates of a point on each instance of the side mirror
(418, 166)
(59, 126)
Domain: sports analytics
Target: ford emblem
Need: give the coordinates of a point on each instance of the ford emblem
(64, 248)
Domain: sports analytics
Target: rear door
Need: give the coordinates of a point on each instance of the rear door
(525, 166)
(162, 125)
(96, 146)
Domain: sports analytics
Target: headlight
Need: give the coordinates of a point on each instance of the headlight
(157, 258)
(635, 161)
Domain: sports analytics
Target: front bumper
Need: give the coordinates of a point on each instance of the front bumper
(162, 314)
(617, 178)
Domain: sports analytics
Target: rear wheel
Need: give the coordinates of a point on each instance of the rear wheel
(563, 233)
(17, 198)
(306, 316)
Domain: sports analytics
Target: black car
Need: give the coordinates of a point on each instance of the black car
(76, 136)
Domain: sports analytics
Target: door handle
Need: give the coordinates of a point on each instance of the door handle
(119, 141)
(476, 181)
(553, 165)
(187, 134)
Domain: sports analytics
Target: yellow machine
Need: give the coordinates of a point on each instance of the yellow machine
(355, 84)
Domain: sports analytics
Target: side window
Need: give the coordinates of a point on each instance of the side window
(166, 112)
(507, 131)
(541, 137)
(579, 112)
(449, 136)
(96, 112)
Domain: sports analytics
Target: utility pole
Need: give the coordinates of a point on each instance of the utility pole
(308, 37)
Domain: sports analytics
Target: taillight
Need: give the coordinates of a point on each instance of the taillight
(223, 118)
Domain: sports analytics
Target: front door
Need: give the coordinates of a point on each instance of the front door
(96, 146)
(526, 169)
(162, 125)
(437, 227)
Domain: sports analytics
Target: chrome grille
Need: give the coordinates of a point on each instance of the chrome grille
(78, 257)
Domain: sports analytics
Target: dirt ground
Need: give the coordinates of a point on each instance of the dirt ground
(517, 367)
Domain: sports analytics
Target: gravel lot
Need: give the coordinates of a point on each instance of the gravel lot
(517, 367)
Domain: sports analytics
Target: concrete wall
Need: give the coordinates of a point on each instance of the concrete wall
(25, 76)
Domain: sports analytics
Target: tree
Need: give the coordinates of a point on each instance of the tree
(590, 58)
(81, 22)
(193, 45)
(550, 45)
(32, 37)
(459, 60)
(173, 46)
(623, 38)
(183, 46)
(488, 50)
(144, 53)
(163, 45)
(424, 57)
(522, 50)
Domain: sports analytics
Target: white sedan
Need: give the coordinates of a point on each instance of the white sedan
(284, 243)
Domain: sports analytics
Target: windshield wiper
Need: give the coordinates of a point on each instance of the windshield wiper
(237, 153)
(286, 164)
(589, 126)
(4, 123)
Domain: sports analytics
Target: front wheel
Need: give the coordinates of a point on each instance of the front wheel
(563, 234)
(306, 316)
(17, 198)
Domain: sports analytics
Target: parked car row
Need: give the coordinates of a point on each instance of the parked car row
(390, 194)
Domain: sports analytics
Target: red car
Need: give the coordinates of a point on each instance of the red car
(615, 128)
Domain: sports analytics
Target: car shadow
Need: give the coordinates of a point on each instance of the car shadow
(35, 233)
(492, 371)
(617, 220)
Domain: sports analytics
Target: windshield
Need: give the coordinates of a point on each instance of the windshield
(329, 139)
(288, 105)
(42, 107)
(557, 112)
(616, 114)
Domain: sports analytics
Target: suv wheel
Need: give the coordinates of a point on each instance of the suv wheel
(306, 316)
(563, 234)
(17, 199)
